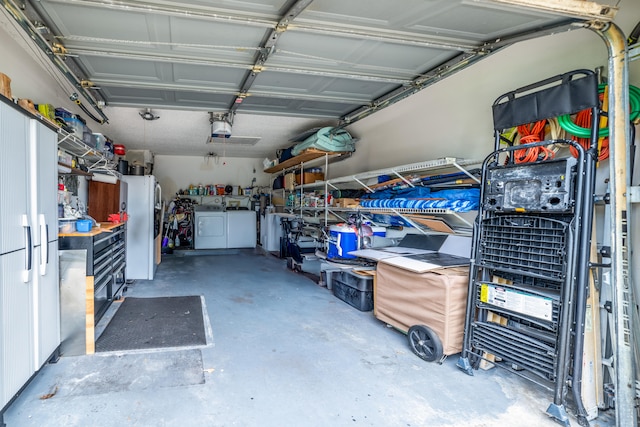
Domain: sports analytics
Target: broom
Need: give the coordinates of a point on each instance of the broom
(165, 239)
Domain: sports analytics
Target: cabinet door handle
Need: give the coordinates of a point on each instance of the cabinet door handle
(26, 274)
(44, 244)
(47, 245)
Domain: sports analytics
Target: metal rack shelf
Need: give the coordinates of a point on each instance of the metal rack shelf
(443, 165)
(408, 175)
(74, 146)
(306, 156)
(96, 161)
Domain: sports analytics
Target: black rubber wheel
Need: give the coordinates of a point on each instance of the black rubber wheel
(425, 343)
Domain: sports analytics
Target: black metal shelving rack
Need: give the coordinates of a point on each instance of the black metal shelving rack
(531, 242)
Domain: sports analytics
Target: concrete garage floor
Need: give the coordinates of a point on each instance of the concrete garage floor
(284, 352)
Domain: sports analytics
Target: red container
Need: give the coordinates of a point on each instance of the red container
(119, 150)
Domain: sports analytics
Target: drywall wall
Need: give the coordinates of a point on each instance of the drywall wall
(178, 172)
(23, 65)
(452, 118)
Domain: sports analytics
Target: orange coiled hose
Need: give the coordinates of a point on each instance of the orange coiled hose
(529, 134)
(583, 118)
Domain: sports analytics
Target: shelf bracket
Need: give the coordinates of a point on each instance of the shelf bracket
(463, 170)
(409, 183)
(363, 184)
(633, 194)
(64, 137)
(413, 224)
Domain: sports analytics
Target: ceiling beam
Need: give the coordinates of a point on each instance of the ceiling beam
(106, 83)
(285, 22)
(204, 13)
(180, 59)
(266, 49)
(301, 113)
(385, 36)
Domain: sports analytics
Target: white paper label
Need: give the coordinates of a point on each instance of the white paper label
(517, 301)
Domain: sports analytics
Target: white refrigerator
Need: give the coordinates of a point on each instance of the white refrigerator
(144, 204)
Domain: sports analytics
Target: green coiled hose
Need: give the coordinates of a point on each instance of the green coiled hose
(567, 124)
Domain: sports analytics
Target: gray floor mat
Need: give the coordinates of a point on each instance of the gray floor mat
(146, 323)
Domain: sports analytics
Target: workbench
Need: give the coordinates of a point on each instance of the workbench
(92, 275)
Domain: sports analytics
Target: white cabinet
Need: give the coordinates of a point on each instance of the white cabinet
(16, 332)
(14, 131)
(43, 177)
(241, 229)
(271, 231)
(16, 321)
(219, 230)
(29, 289)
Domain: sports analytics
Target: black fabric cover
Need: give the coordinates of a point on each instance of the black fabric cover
(278, 182)
(285, 154)
(427, 242)
(568, 97)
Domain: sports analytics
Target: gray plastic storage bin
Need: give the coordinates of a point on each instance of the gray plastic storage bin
(354, 289)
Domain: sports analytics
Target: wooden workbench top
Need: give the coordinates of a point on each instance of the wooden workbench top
(105, 227)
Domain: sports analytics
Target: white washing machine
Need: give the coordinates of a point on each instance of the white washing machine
(210, 227)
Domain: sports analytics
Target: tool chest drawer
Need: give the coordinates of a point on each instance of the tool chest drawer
(105, 262)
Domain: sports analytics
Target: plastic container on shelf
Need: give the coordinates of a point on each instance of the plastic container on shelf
(84, 225)
(98, 141)
(108, 149)
(66, 225)
(64, 157)
(76, 126)
(87, 136)
(64, 114)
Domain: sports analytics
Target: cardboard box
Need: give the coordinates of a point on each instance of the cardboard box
(289, 181)
(436, 298)
(346, 203)
(277, 201)
(309, 177)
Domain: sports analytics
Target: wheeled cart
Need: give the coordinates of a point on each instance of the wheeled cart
(429, 307)
(529, 270)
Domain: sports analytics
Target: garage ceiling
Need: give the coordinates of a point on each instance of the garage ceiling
(315, 60)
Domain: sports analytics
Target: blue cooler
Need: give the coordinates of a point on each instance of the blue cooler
(342, 240)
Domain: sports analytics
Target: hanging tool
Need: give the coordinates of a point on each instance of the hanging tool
(165, 239)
